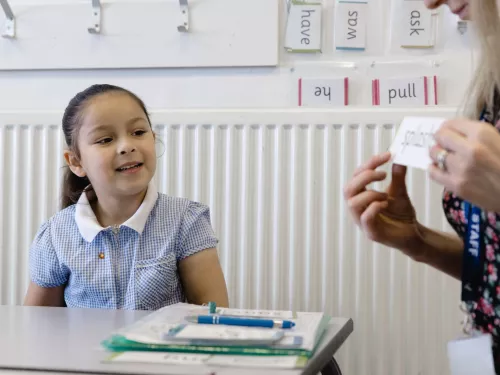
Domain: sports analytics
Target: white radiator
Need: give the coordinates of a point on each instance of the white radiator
(273, 180)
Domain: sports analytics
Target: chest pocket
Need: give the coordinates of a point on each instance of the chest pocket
(156, 282)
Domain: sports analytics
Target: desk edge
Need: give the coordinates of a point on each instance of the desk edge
(318, 361)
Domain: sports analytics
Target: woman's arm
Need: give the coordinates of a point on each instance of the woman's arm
(38, 296)
(440, 250)
(202, 278)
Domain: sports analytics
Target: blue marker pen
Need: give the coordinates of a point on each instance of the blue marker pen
(243, 322)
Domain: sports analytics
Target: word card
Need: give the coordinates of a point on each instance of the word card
(413, 140)
(323, 92)
(303, 28)
(415, 26)
(405, 91)
(351, 18)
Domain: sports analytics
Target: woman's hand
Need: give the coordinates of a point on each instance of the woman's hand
(472, 163)
(385, 217)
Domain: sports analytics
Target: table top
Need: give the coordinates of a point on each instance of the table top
(54, 339)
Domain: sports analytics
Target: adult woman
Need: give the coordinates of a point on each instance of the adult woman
(467, 163)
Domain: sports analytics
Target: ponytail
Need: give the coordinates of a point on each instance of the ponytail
(72, 187)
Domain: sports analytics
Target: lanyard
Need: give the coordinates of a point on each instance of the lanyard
(473, 255)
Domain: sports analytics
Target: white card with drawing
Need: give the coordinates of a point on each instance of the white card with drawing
(413, 140)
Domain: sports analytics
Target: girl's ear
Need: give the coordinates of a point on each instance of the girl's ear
(74, 163)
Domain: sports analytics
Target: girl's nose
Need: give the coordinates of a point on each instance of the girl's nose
(126, 147)
(123, 152)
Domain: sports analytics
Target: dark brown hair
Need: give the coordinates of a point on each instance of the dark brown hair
(73, 185)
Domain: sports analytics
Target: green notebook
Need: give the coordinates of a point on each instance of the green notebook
(147, 334)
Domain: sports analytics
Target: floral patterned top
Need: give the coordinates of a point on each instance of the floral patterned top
(486, 311)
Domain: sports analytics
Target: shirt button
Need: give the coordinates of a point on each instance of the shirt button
(101, 255)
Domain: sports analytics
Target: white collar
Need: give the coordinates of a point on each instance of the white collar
(89, 227)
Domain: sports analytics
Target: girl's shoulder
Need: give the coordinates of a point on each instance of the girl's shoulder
(176, 209)
(177, 204)
(185, 221)
(59, 227)
(64, 218)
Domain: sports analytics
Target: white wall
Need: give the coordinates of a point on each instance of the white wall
(261, 87)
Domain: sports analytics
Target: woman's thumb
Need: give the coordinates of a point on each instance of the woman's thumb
(398, 182)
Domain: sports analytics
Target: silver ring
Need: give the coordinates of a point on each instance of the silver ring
(441, 160)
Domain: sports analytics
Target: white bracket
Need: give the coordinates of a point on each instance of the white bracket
(95, 28)
(184, 26)
(10, 23)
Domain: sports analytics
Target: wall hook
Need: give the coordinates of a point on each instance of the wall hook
(184, 26)
(95, 28)
(10, 23)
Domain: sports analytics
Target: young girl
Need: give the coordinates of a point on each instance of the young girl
(118, 243)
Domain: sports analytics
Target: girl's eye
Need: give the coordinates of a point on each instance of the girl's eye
(104, 140)
(140, 132)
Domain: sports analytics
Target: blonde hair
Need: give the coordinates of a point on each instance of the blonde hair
(487, 76)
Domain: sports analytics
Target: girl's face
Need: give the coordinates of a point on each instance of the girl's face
(116, 145)
(458, 7)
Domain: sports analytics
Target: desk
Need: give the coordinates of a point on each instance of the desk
(67, 340)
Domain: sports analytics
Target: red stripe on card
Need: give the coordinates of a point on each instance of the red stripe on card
(346, 91)
(377, 98)
(373, 93)
(435, 90)
(426, 92)
(300, 92)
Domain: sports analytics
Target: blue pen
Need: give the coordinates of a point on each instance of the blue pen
(236, 321)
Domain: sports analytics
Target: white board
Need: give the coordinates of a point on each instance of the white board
(141, 34)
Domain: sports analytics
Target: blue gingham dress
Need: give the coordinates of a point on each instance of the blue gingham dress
(122, 268)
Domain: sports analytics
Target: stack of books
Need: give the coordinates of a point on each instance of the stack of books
(184, 333)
